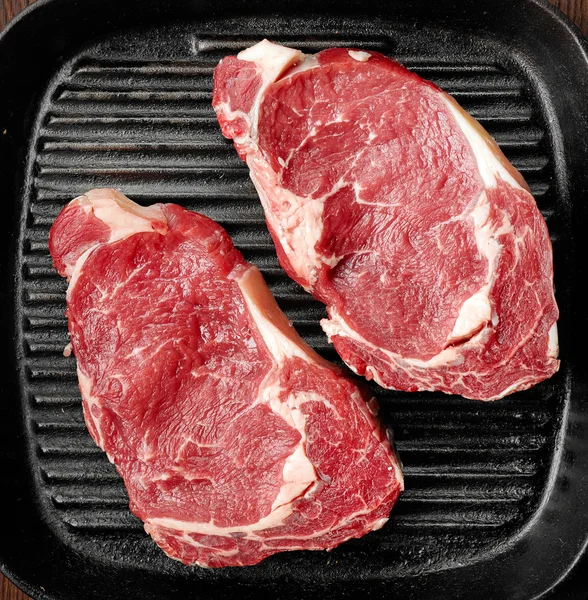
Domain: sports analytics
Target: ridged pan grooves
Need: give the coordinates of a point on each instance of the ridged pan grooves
(147, 127)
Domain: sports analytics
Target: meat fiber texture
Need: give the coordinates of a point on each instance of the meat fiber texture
(234, 439)
(396, 209)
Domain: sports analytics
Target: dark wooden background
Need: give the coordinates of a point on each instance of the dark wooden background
(577, 10)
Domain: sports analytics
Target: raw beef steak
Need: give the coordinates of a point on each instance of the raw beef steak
(397, 210)
(234, 439)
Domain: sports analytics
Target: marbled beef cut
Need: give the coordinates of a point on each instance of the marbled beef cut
(397, 210)
(234, 439)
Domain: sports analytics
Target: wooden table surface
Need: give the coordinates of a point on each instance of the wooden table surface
(577, 10)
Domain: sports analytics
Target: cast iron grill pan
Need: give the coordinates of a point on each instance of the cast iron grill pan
(145, 125)
(133, 111)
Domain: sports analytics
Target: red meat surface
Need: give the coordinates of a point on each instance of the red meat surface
(397, 210)
(234, 439)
